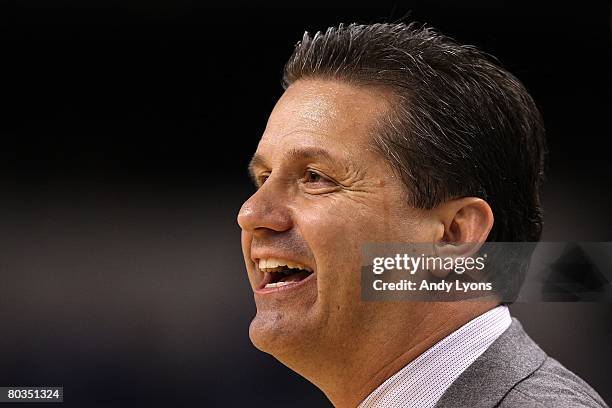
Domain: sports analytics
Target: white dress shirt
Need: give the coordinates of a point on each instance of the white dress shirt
(422, 382)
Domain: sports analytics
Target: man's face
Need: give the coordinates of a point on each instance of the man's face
(324, 192)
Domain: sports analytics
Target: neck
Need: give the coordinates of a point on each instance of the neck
(348, 371)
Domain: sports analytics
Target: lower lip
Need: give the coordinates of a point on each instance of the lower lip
(291, 286)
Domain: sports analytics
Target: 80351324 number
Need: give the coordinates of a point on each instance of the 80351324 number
(31, 394)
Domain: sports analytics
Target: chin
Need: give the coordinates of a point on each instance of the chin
(278, 334)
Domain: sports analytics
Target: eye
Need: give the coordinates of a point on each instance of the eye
(314, 180)
(261, 179)
(312, 177)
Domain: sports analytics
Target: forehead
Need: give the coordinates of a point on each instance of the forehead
(325, 113)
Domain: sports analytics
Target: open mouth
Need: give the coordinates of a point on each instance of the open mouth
(278, 273)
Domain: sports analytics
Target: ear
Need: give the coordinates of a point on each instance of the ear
(464, 220)
(463, 226)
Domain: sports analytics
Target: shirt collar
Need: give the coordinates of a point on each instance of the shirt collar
(422, 382)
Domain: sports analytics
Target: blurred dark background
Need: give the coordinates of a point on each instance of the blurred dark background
(125, 132)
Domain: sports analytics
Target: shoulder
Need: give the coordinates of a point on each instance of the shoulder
(552, 385)
(515, 372)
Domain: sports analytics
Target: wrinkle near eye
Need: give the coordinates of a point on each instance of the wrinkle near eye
(351, 176)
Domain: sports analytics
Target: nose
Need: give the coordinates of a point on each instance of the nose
(265, 212)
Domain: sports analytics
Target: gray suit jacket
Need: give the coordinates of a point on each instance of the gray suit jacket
(515, 372)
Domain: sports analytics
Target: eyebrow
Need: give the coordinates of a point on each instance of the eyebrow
(295, 154)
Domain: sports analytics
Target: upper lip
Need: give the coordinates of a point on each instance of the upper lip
(256, 256)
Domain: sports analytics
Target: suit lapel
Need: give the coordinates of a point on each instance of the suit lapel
(511, 358)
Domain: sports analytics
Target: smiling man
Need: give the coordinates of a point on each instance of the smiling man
(390, 133)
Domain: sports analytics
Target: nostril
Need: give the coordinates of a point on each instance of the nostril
(264, 212)
(262, 232)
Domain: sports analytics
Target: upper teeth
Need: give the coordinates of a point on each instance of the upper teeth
(274, 264)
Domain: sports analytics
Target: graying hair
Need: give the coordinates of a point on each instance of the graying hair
(461, 125)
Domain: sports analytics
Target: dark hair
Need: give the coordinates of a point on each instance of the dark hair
(461, 125)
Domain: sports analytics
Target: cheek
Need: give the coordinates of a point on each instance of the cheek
(349, 220)
(337, 230)
(336, 235)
